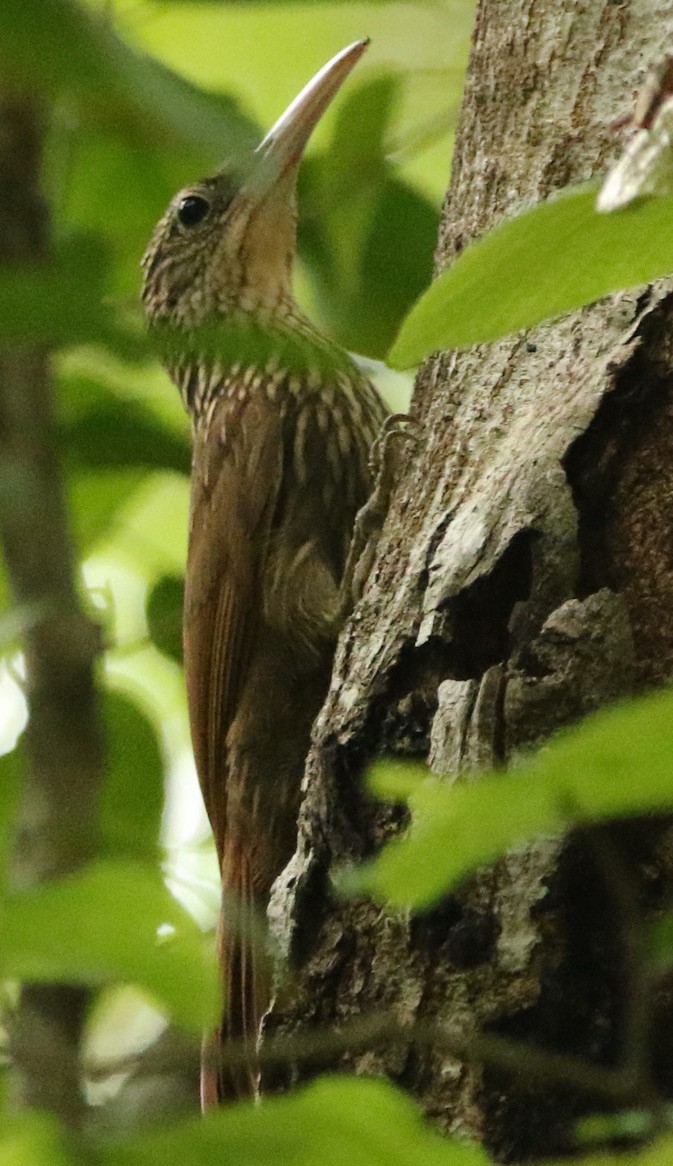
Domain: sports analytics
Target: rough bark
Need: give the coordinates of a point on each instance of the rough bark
(524, 578)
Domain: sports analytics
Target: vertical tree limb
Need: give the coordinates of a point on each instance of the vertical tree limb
(523, 579)
(63, 740)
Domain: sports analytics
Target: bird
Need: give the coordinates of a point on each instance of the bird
(283, 424)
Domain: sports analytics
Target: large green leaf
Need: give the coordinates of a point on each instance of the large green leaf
(551, 259)
(619, 762)
(335, 1120)
(64, 47)
(100, 925)
(395, 264)
(368, 238)
(133, 792)
(356, 155)
(102, 182)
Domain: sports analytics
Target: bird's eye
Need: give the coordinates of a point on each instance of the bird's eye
(192, 209)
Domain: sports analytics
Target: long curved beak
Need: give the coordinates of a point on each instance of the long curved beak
(281, 150)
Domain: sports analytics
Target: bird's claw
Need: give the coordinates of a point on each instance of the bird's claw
(384, 462)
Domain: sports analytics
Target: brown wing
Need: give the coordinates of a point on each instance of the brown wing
(236, 472)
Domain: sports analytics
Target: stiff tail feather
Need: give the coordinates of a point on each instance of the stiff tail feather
(244, 962)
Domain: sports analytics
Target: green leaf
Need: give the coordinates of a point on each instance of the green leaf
(359, 213)
(100, 925)
(63, 47)
(117, 188)
(59, 302)
(133, 792)
(334, 1120)
(391, 274)
(552, 259)
(357, 151)
(163, 609)
(114, 434)
(95, 501)
(396, 780)
(62, 301)
(618, 762)
(627, 1124)
(32, 1139)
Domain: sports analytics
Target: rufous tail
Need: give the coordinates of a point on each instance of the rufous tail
(229, 1070)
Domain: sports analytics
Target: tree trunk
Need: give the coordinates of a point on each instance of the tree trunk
(524, 577)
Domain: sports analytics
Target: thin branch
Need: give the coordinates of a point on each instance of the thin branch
(63, 741)
(621, 886)
(535, 1065)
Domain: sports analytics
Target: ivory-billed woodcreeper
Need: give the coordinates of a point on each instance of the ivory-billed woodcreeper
(283, 423)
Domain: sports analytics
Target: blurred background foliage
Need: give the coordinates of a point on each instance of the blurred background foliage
(137, 98)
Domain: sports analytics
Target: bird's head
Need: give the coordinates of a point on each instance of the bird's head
(227, 243)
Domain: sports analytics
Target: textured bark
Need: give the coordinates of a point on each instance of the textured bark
(524, 578)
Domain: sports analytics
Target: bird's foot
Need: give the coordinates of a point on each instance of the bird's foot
(385, 464)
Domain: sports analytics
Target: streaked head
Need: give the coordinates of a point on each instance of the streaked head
(228, 242)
